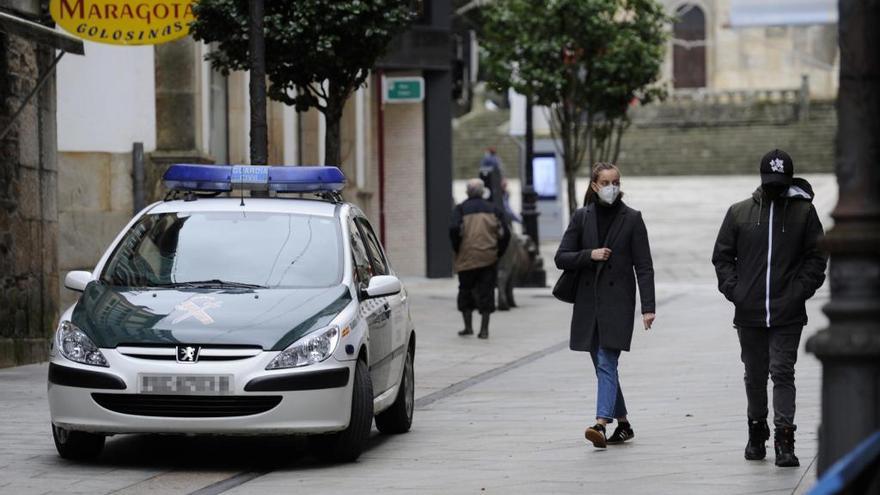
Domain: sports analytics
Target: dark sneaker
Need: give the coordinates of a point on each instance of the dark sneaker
(466, 331)
(784, 444)
(622, 433)
(596, 435)
(758, 434)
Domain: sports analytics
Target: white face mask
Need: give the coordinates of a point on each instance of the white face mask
(608, 194)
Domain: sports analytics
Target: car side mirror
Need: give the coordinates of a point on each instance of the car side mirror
(77, 280)
(383, 285)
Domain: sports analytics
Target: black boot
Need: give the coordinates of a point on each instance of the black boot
(484, 326)
(468, 323)
(784, 443)
(759, 432)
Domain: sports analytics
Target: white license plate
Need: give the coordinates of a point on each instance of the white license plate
(185, 384)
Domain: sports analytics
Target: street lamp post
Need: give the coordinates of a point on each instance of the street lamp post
(850, 347)
(529, 196)
(536, 277)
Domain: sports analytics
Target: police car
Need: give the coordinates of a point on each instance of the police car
(216, 313)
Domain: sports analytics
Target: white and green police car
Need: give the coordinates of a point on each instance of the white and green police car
(212, 313)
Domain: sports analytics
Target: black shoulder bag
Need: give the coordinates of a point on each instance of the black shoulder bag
(566, 287)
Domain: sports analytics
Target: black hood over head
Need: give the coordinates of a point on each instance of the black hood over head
(799, 190)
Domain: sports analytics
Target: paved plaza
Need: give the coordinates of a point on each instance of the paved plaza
(505, 415)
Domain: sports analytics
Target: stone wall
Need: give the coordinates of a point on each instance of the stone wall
(94, 203)
(729, 140)
(697, 138)
(405, 189)
(28, 208)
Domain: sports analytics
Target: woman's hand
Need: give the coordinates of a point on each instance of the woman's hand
(648, 319)
(601, 254)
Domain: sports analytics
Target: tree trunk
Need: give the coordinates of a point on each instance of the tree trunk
(332, 138)
(570, 177)
(624, 125)
(568, 156)
(257, 58)
(591, 141)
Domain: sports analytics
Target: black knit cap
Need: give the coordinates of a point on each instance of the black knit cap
(776, 167)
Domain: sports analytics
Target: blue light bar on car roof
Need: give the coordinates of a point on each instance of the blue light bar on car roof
(224, 178)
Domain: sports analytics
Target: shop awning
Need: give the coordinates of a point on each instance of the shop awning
(39, 33)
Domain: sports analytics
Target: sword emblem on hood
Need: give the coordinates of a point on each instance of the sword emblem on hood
(196, 307)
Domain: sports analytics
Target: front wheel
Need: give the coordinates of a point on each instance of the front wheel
(77, 445)
(398, 418)
(347, 445)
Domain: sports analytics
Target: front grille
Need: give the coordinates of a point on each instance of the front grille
(207, 352)
(177, 406)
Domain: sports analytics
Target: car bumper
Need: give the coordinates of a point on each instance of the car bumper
(314, 399)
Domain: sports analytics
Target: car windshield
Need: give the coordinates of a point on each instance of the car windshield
(227, 249)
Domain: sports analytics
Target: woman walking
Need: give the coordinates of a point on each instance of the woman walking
(606, 247)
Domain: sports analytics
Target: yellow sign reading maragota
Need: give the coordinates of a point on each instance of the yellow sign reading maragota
(124, 22)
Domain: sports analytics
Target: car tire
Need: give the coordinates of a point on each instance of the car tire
(77, 445)
(347, 445)
(398, 418)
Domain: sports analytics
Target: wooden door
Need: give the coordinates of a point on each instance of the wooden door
(689, 50)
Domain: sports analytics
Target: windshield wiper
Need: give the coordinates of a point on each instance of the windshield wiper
(213, 283)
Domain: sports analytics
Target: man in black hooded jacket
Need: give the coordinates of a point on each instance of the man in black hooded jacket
(768, 264)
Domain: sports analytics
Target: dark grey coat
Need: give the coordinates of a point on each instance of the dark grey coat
(607, 289)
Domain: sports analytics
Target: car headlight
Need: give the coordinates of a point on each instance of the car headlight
(313, 348)
(76, 346)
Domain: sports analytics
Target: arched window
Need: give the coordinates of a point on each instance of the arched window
(689, 48)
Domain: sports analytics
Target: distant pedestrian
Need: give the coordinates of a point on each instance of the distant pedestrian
(491, 162)
(492, 173)
(768, 264)
(479, 237)
(606, 244)
(509, 214)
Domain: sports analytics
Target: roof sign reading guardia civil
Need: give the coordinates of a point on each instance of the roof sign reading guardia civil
(124, 22)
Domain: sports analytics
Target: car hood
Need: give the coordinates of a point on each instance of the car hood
(269, 318)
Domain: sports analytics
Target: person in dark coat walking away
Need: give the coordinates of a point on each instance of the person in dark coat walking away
(606, 243)
(479, 235)
(768, 264)
(489, 163)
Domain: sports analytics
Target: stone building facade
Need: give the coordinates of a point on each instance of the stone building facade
(29, 291)
(707, 52)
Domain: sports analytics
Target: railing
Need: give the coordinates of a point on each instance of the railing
(856, 472)
(733, 97)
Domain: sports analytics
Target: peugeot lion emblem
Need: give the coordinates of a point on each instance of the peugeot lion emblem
(187, 354)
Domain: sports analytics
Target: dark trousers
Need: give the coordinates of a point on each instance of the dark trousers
(476, 289)
(770, 351)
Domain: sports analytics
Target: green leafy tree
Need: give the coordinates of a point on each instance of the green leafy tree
(317, 51)
(587, 61)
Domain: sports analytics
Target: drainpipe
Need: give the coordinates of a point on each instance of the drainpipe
(381, 153)
(137, 179)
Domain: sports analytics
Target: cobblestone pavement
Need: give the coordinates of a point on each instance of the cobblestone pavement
(504, 415)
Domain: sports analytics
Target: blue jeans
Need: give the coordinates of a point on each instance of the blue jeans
(609, 397)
